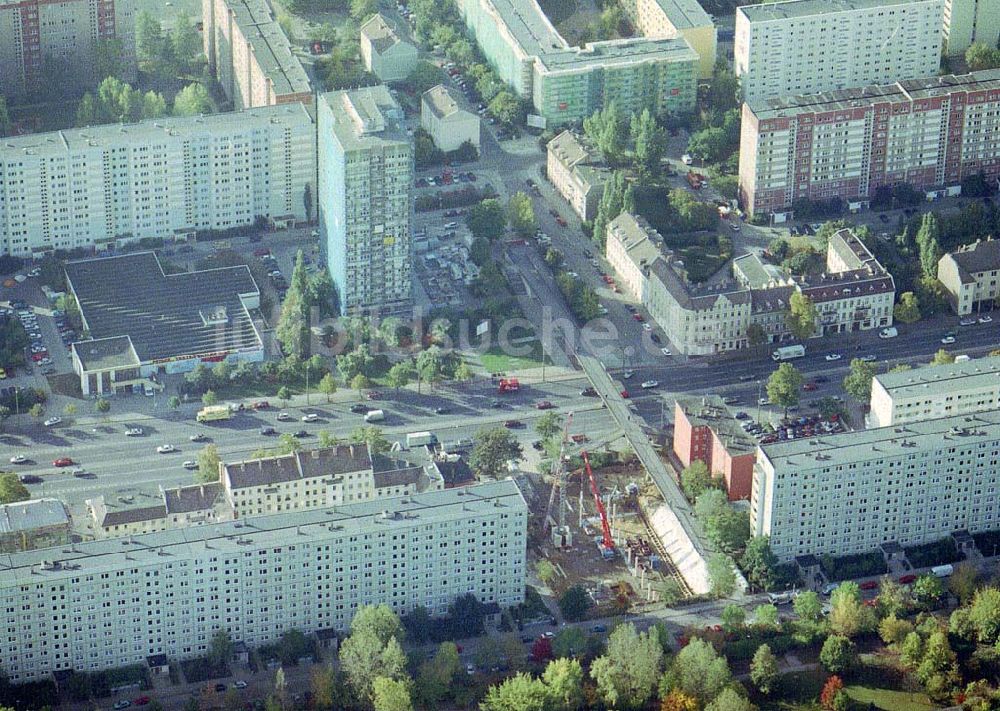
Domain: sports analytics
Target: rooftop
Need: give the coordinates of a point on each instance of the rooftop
(163, 315)
(695, 297)
(980, 256)
(851, 250)
(711, 411)
(196, 497)
(975, 374)
(380, 33)
(756, 274)
(366, 116)
(441, 102)
(571, 150)
(620, 52)
(806, 8)
(329, 461)
(270, 46)
(32, 514)
(911, 90)
(111, 353)
(528, 25)
(685, 14)
(634, 234)
(882, 442)
(149, 132)
(247, 535)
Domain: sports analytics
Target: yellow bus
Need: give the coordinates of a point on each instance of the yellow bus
(212, 413)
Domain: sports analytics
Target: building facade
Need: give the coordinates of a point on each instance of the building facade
(576, 172)
(36, 523)
(799, 47)
(852, 144)
(42, 42)
(935, 391)
(250, 56)
(565, 83)
(850, 493)
(384, 52)
(106, 604)
(969, 21)
(677, 18)
(179, 507)
(971, 276)
(704, 431)
(630, 250)
(365, 198)
(449, 125)
(167, 178)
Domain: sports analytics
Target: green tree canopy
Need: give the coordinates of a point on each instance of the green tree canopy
(575, 603)
(627, 674)
(802, 316)
(494, 448)
(208, 464)
(521, 214)
(698, 671)
(858, 382)
(721, 575)
(11, 489)
(785, 385)
(764, 669)
(193, 100)
(908, 308)
(837, 654)
(488, 220)
(695, 479)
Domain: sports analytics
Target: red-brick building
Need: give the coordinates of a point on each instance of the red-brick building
(705, 431)
(930, 133)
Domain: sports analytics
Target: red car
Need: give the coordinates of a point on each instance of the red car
(373, 394)
(869, 585)
(907, 579)
(544, 405)
(63, 462)
(513, 424)
(624, 394)
(809, 387)
(261, 405)
(140, 701)
(638, 317)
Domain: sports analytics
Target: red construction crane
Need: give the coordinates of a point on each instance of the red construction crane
(607, 544)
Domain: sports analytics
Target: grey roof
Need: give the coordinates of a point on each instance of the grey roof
(442, 103)
(911, 90)
(621, 52)
(826, 287)
(980, 256)
(975, 374)
(637, 238)
(711, 411)
(405, 476)
(120, 517)
(106, 353)
(196, 497)
(165, 315)
(805, 8)
(756, 274)
(270, 46)
(380, 33)
(851, 249)
(250, 534)
(695, 297)
(572, 151)
(32, 514)
(308, 464)
(456, 472)
(772, 299)
(685, 14)
(883, 442)
(366, 116)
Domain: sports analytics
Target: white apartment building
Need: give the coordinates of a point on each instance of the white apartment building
(180, 507)
(41, 41)
(810, 46)
(446, 121)
(935, 391)
(577, 173)
(971, 276)
(384, 52)
(631, 252)
(91, 187)
(968, 21)
(105, 604)
(849, 493)
(322, 477)
(365, 198)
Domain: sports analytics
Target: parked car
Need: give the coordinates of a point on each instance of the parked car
(544, 405)
(52, 421)
(649, 384)
(63, 462)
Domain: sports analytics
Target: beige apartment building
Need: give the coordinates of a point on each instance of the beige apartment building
(250, 56)
(630, 250)
(446, 121)
(180, 507)
(37, 36)
(935, 391)
(971, 276)
(677, 18)
(385, 53)
(577, 173)
(36, 523)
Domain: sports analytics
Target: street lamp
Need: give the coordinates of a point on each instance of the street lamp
(759, 382)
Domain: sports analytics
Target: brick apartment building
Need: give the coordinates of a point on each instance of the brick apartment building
(704, 431)
(930, 133)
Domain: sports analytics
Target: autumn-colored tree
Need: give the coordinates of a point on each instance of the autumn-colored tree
(677, 700)
(831, 689)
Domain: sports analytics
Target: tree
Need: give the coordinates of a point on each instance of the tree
(938, 656)
(964, 582)
(494, 448)
(102, 406)
(695, 479)
(5, 123)
(506, 107)
(520, 692)
(784, 386)
(391, 695)
(759, 562)
(927, 591)
(173, 402)
(328, 385)
(373, 437)
(148, 36)
(858, 383)
(11, 489)
(575, 603)
(193, 100)
(710, 145)
(209, 398)
(984, 615)
(521, 214)
(610, 206)
(893, 598)
(808, 607)
(361, 10)
(677, 700)
(185, 39)
(564, 684)
(927, 240)
(942, 357)
(848, 614)
(487, 220)
(730, 700)
(627, 674)
(373, 650)
(284, 394)
(608, 129)
(549, 425)
(70, 409)
(766, 616)
(833, 690)
(802, 315)
(399, 375)
(698, 671)
(37, 411)
(763, 669)
(435, 676)
(721, 575)
(912, 649)
(908, 308)
(220, 648)
(359, 382)
(570, 642)
(650, 144)
(463, 372)
(733, 618)
(208, 464)
(545, 571)
(837, 653)
(893, 630)
(728, 528)
(980, 56)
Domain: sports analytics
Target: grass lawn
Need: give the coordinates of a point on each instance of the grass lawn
(890, 700)
(496, 361)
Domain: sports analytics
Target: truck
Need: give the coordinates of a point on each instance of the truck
(508, 385)
(890, 332)
(788, 352)
(374, 416)
(213, 412)
(942, 571)
(419, 439)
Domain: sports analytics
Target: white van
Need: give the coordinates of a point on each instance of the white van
(942, 571)
(374, 416)
(890, 332)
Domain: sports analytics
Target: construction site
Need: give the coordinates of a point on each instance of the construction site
(592, 526)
